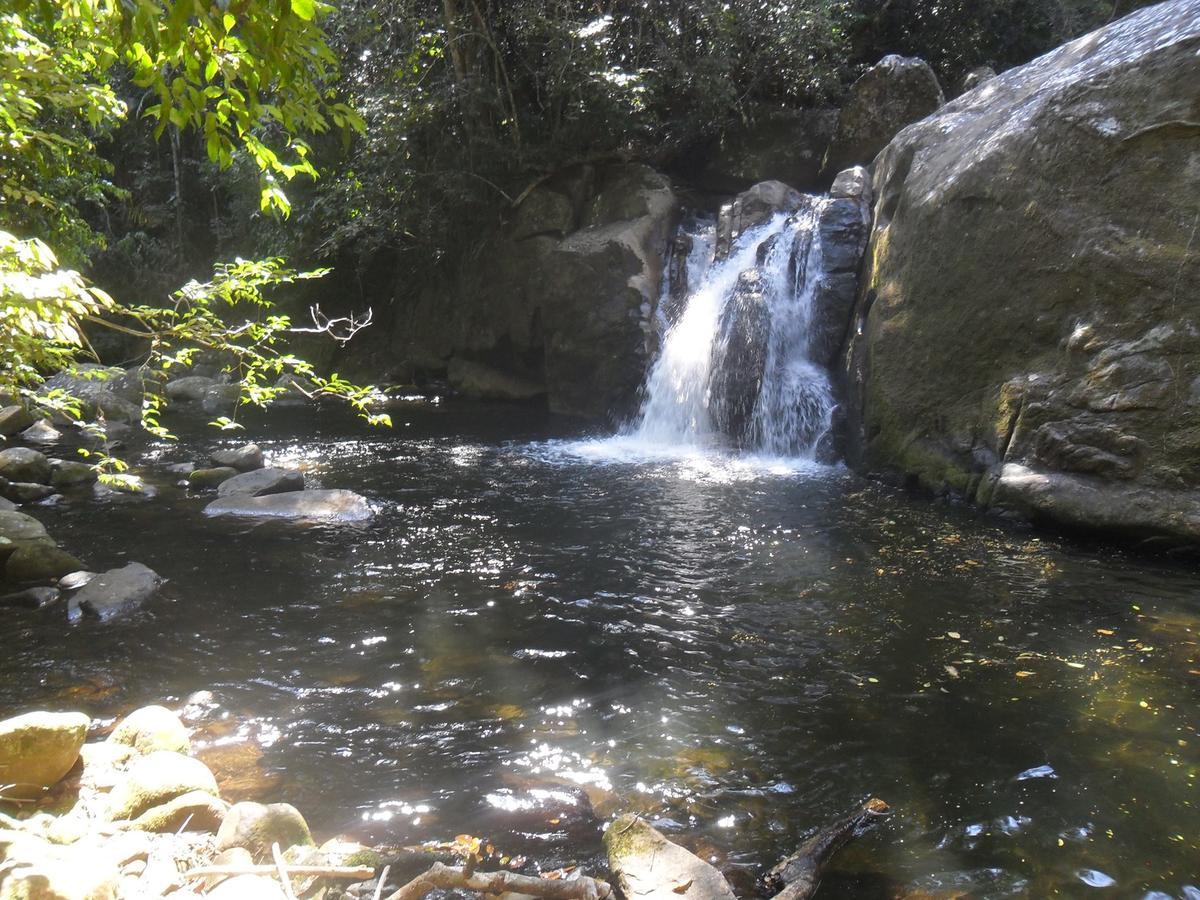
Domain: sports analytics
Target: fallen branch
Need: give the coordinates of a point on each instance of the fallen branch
(283, 872)
(382, 881)
(798, 876)
(346, 873)
(446, 877)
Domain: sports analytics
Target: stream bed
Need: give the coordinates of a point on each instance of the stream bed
(741, 649)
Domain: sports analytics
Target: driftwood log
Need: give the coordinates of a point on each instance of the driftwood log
(798, 876)
(445, 877)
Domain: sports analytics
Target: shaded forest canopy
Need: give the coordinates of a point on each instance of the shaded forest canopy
(467, 102)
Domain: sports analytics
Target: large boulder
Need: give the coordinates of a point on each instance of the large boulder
(39, 561)
(648, 865)
(739, 356)
(1024, 336)
(155, 779)
(24, 464)
(843, 227)
(68, 473)
(262, 482)
(115, 593)
(189, 388)
(894, 93)
(753, 207)
(104, 391)
(256, 826)
(334, 506)
(37, 750)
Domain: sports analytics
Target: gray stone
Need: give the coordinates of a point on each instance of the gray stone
(650, 867)
(486, 383)
(785, 145)
(31, 598)
(255, 827)
(115, 592)
(115, 394)
(753, 207)
(207, 479)
(39, 562)
(262, 482)
(739, 357)
(67, 473)
(41, 432)
(25, 492)
(336, 506)
(544, 212)
(14, 419)
(977, 77)
(852, 184)
(245, 458)
(24, 464)
(18, 530)
(1022, 338)
(893, 93)
(189, 388)
(37, 750)
(221, 399)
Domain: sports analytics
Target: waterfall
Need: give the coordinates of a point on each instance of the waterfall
(735, 364)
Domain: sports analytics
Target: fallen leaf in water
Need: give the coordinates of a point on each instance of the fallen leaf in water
(953, 634)
(682, 888)
(953, 671)
(1105, 631)
(1024, 674)
(1075, 665)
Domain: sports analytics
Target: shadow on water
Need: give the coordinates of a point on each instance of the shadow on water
(741, 649)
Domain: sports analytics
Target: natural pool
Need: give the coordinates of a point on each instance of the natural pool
(739, 648)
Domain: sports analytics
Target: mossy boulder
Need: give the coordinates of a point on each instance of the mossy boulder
(37, 749)
(256, 826)
(155, 779)
(152, 728)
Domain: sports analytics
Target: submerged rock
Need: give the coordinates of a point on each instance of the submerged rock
(245, 458)
(256, 826)
(25, 491)
(1022, 337)
(24, 464)
(115, 593)
(649, 866)
(30, 598)
(262, 482)
(325, 505)
(37, 750)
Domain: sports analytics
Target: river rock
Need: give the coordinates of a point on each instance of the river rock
(193, 811)
(24, 464)
(25, 491)
(650, 867)
(326, 505)
(256, 826)
(73, 581)
(39, 562)
(207, 479)
(115, 592)
(152, 728)
(221, 399)
(66, 473)
(189, 388)
(41, 432)
(14, 419)
(7, 505)
(740, 357)
(37, 750)
(978, 76)
(155, 779)
(245, 458)
(481, 381)
(262, 482)
(31, 598)
(1060, 383)
(19, 530)
(752, 207)
(114, 393)
(895, 92)
(35, 869)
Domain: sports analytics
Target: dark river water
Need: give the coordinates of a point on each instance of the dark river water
(739, 649)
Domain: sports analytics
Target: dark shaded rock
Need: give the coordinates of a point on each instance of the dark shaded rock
(191, 388)
(115, 592)
(478, 380)
(262, 482)
(327, 505)
(25, 492)
(740, 357)
(208, 479)
(39, 562)
(31, 598)
(116, 394)
(1022, 337)
(893, 93)
(780, 145)
(221, 399)
(843, 228)
(19, 530)
(244, 459)
(67, 473)
(24, 464)
(544, 212)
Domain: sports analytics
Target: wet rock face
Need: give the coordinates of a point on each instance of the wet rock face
(1025, 334)
(740, 357)
(894, 93)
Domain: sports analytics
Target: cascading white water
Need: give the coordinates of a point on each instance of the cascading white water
(780, 263)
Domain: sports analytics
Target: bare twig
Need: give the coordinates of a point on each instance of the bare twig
(447, 877)
(282, 871)
(383, 876)
(341, 329)
(343, 873)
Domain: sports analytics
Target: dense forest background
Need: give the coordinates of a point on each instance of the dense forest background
(469, 102)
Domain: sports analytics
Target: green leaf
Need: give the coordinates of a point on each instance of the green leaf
(305, 9)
